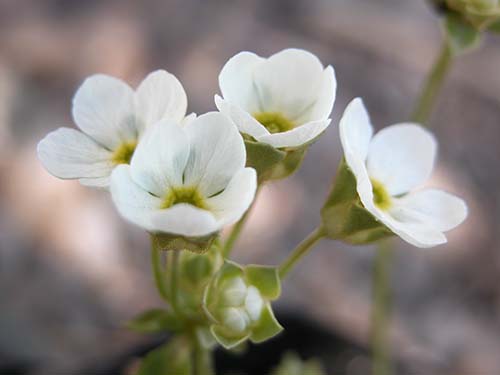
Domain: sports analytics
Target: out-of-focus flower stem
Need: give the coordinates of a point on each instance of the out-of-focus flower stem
(381, 309)
(300, 251)
(173, 264)
(432, 85)
(383, 258)
(202, 358)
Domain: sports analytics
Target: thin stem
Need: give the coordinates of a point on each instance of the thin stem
(236, 230)
(173, 264)
(300, 251)
(381, 309)
(202, 359)
(433, 84)
(158, 271)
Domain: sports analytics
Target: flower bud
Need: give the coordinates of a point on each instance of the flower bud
(237, 301)
(481, 14)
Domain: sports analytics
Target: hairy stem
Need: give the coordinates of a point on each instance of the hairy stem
(300, 251)
(173, 264)
(158, 271)
(432, 85)
(381, 309)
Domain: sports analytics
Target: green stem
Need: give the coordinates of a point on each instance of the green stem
(300, 251)
(237, 228)
(381, 309)
(202, 359)
(173, 264)
(432, 86)
(158, 271)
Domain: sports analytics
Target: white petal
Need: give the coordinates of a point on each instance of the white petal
(297, 136)
(254, 303)
(436, 208)
(103, 107)
(217, 153)
(401, 157)
(355, 130)
(186, 120)
(235, 292)
(243, 120)
(99, 182)
(289, 82)
(160, 158)
(160, 96)
(185, 220)
(236, 81)
(133, 203)
(322, 108)
(69, 154)
(235, 319)
(230, 205)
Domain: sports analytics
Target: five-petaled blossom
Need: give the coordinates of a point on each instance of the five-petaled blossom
(186, 180)
(112, 118)
(284, 100)
(387, 167)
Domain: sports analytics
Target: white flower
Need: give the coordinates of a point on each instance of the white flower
(189, 180)
(112, 118)
(387, 167)
(284, 100)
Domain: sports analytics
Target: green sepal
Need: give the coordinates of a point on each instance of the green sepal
(225, 338)
(462, 36)
(171, 358)
(266, 327)
(154, 320)
(262, 157)
(289, 165)
(343, 215)
(205, 337)
(199, 245)
(292, 364)
(266, 279)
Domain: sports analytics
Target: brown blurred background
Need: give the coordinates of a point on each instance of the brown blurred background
(71, 271)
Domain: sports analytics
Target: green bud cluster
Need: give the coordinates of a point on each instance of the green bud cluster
(481, 14)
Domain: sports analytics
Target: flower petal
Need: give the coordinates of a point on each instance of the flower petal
(236, 81)
(160, 157)
(103, 109)
(243, 120)
(355, 130)
(217, 153)
(132, 201)
(297, 136)
(185, 220)
(99, 182)
(436, 208)
(289, 82)
(230, 205)
(401, 157)
(69, 154)
(323, 106)
(160, 96)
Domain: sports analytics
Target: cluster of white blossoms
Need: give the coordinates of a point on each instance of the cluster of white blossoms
(187, 176)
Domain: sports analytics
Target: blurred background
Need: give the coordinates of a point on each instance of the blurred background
(72, 271)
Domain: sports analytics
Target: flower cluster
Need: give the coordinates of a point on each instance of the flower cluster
(184, 178)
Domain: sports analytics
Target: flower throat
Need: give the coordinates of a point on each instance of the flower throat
(275, 122)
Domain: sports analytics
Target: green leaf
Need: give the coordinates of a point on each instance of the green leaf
(266, 279)
(199, 245)
(291, 364)
(224, 338)
(171, 358)
(461, 35)
(266, 327)
(154, 320)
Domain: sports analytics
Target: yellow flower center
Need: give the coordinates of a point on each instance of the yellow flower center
(123, 154)
(189, 195)
(275, 122)
(381, 197)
